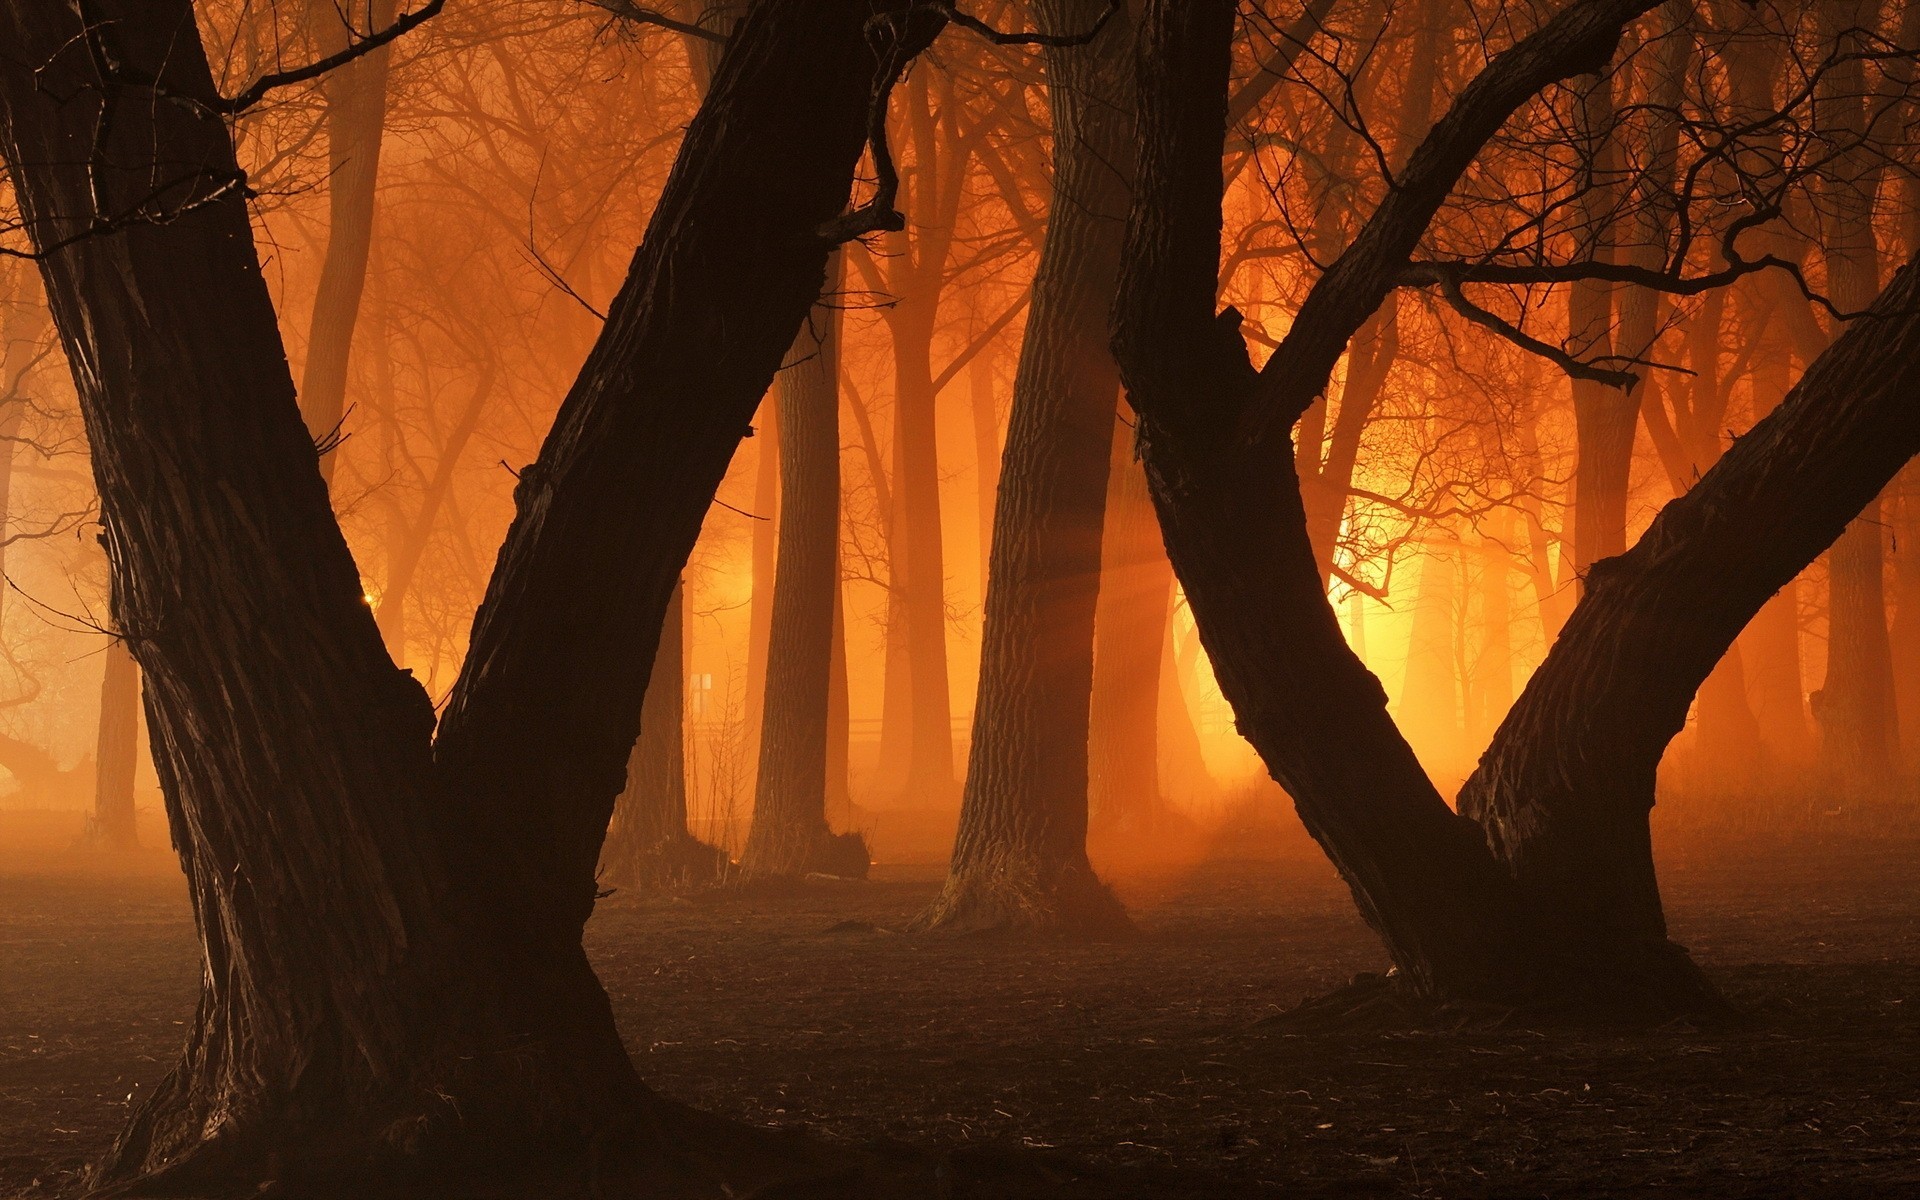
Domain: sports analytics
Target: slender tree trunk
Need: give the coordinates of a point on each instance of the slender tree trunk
(764, 564)
(1183, 764)
(789, 834)
(1429, 709)
(1130, 634)
(1855, 707)
(394, 988)
(356, 97)
(649, 847)
(116, 751)
(1020, 857)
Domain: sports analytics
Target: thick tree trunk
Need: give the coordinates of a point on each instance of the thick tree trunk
(1020, 857)
(1130, 634)
(648, 846)
(116, 752)
(394, 985)
(789, 834)
(356, 96)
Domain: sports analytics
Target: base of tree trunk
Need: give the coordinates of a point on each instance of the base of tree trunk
(1014, 897)
(1639, 989)
(837, 855)
(673, 865)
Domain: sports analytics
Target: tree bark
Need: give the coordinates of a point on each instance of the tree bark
(789, 835)
(1020, 858)
(394, 987)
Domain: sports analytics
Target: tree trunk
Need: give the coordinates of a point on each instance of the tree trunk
(1855, 707)
(764, 565)
(356, 96)
(789, 834)
(395, 992)
(1566, 787)
(649, 847)
(1429, 712)
(1020, 857)
(1224, 485)
(116, 752)
(1130, 634)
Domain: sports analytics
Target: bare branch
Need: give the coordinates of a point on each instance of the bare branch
(402, 25)
(626, 10)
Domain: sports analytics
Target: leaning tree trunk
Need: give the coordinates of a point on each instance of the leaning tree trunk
(116, 752)
(1565, 789)
(649, 847)
(356, 96)
(1020, 857)
(394, 987)
(789, 834)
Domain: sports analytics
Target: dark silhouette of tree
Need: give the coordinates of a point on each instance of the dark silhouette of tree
(395, 988)
(1543, 884)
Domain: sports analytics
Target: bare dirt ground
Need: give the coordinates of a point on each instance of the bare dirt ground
(1146, 1056)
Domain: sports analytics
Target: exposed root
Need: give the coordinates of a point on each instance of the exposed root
(1015, 898)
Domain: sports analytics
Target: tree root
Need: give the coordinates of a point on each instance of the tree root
(1018, 899)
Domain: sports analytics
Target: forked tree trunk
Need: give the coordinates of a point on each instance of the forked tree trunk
(649, 847)
(789, 834)
(1020, 857)
(395, 992)
(1566, 904)
(356, 96)
(116, 751)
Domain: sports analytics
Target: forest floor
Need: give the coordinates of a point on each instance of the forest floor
(1149, 1056)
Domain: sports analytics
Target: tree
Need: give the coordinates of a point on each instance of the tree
(789, 834)
(649, 847)
(395, 989)
(1542, 885)
(356, 109)
(1020, 857)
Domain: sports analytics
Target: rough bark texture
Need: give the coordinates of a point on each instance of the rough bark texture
(648, 846)
(1020, 857)
(394, 982)
(116, 752)
(789, 835)
(356, 96)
